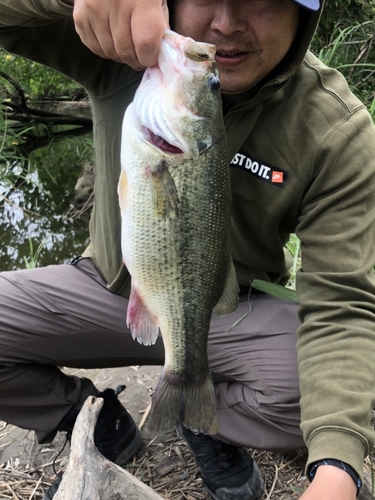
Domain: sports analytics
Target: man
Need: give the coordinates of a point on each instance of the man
(303, 160)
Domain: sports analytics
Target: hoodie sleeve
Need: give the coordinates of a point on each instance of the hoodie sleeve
(336, 290)
(32, 12)
(43, 31)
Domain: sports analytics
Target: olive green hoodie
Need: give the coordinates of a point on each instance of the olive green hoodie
(302, 156)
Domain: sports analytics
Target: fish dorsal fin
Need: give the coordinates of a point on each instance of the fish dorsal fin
(164, 192)
(228, 301)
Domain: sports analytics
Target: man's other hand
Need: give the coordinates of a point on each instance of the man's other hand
(331, 483)
(127, 31)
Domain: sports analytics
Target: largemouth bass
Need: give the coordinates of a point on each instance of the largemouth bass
(174, 196)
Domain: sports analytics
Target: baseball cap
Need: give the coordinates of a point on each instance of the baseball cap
(308, 4)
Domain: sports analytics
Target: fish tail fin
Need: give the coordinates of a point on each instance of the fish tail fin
(191, 403)
(200, 407)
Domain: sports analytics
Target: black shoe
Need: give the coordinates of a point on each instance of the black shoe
(228, 472)
(52, 490)
(116, 435)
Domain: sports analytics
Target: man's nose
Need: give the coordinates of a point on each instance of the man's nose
(227, 18)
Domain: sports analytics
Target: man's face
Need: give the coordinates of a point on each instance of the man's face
(251, 36)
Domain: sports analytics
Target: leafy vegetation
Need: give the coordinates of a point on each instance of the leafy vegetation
(345, 12)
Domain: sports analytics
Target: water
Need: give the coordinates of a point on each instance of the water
(37, 213)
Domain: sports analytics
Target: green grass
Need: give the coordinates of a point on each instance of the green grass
(351, 50)
(31, 261)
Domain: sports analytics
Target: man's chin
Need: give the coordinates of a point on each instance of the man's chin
(237, 92)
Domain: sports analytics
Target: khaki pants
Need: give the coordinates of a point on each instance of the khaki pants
(65, 316)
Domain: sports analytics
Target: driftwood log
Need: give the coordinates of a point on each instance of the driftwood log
(89, 475)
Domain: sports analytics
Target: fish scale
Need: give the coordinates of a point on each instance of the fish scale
(174, 194)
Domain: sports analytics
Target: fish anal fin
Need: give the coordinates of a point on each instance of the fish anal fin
(164, 192)
(176, 401)
(143, 325)
(228, 301)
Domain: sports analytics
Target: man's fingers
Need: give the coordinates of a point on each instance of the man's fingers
(147, 32)
(126, 31)
(93, 30)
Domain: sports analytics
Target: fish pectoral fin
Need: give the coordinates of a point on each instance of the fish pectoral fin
(164, 192)
(200, 146)
(143, 325)
(228, 301)
(204, 144)
(122, 190)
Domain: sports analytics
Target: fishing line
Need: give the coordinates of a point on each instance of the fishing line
(245, 315)
(57, 456)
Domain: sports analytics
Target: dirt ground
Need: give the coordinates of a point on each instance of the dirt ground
(163, 463)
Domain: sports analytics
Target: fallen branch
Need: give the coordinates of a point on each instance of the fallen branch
(89, 474)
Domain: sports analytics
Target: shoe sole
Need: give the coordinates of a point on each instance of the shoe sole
(130, 450)
(258, 485)
(212, 494)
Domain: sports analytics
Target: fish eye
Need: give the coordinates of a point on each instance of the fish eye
(214, 82)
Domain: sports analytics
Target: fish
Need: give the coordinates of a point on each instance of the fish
(175, 203)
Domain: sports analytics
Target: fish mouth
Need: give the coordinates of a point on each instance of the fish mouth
(162, 144)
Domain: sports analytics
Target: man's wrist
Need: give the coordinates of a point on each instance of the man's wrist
(336, 463)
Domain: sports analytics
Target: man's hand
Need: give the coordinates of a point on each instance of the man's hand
(127, 31)
(331, 483)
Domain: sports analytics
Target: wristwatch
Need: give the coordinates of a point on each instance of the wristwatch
(337, 463)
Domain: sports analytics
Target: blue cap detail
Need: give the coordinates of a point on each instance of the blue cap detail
(308, 4)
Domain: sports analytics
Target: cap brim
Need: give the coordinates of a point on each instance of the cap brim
(308, 4)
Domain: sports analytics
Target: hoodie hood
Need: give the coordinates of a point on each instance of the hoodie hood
(309, 19)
